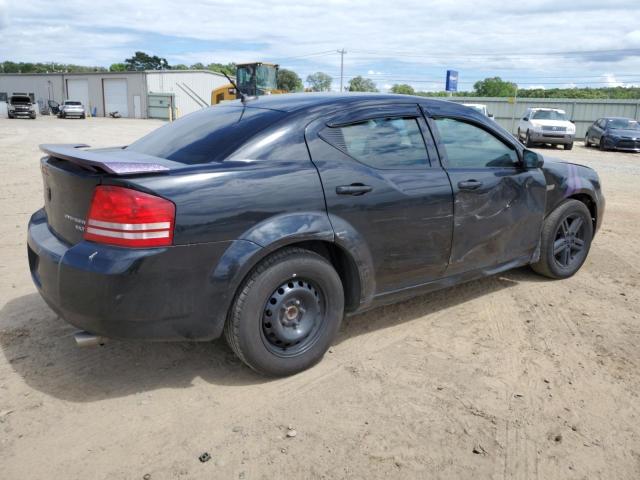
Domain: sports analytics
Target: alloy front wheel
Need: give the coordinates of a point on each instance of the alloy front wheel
(565, 240)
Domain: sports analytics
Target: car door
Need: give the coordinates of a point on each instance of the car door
(598, 130)
(379, 182)
(498, 205)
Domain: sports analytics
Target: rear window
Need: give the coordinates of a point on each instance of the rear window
(209, 135)
(72, 103)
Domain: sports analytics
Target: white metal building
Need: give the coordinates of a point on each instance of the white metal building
(124, 92)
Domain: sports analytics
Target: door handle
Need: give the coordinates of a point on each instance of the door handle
(353, 189)
(469, 185)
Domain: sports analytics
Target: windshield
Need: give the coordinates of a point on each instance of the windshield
(72, 103)
(209, 135)
(263, 76)
(20, 99)
(623, 124)
(549, 115)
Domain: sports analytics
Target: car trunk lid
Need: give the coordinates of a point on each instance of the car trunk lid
(70, 174)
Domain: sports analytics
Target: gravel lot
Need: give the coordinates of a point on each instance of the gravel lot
(513, 376)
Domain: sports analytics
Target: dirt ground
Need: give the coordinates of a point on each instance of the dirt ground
(513, 376)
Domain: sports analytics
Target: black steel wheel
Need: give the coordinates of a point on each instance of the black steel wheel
(565, 240)
(293, 316)
(286, 313)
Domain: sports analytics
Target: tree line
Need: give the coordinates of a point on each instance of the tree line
(290, 81)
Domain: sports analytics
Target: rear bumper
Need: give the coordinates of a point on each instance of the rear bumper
(73, 113)
(151, 294)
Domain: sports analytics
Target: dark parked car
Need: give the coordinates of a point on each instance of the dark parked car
(269, 220)
(614, 133)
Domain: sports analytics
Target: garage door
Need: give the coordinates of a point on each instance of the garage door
(78, 90)
(115, 96)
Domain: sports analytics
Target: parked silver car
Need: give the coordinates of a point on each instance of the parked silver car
(72, 108)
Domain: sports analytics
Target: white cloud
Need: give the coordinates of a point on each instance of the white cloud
(403, 42)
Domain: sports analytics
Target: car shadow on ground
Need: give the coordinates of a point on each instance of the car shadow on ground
(40, 348)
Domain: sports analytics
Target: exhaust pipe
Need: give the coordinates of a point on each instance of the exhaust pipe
(86, 339)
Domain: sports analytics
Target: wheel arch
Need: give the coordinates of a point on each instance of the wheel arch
(586, 198)
(314, 231)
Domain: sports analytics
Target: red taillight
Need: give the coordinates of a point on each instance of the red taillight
(121, 216)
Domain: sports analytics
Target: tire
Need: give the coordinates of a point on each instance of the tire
(83, 116)
(568, 146)
(519, 135)
(290, 286)
(587, 143)
(555, 242)
(601, 144)
(527, 140)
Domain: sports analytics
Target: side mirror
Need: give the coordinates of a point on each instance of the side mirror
(532, 160)
(526, 119)
(572, 121)
(490, 115)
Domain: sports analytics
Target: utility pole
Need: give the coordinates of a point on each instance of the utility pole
(341, 52)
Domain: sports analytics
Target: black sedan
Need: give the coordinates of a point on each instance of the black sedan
(614, 133)
(268, 220)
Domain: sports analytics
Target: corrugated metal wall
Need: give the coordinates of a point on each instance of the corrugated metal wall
(583, 112)
(54, 87)
(189, 87)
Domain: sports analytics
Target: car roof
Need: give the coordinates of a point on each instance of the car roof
(292, 102)
(619, 118)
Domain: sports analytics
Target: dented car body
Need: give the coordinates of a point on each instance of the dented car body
(402, 195)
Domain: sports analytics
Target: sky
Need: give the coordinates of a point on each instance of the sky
(535, 44)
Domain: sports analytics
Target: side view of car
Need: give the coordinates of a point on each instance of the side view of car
(546, 126)
(268, 220)
(614, 133)
(71, 108)
(21, 106)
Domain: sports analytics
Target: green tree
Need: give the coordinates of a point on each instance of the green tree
(361, 84)
(319, 82)
(403, 88)
(180, 66)
(289, 81)
(495, 87)
(228, 68)
(118, 67)
(143, 61)
(197, 66)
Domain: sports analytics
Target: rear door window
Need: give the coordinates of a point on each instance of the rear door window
(209, 135)
(383, 143)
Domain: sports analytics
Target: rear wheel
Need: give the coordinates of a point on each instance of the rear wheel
(565, 240)
(287, 313)
(568, 146)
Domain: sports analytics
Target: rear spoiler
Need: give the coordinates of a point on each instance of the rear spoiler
(115, 161)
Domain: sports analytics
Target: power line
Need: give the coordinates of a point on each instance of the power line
(620, 51)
